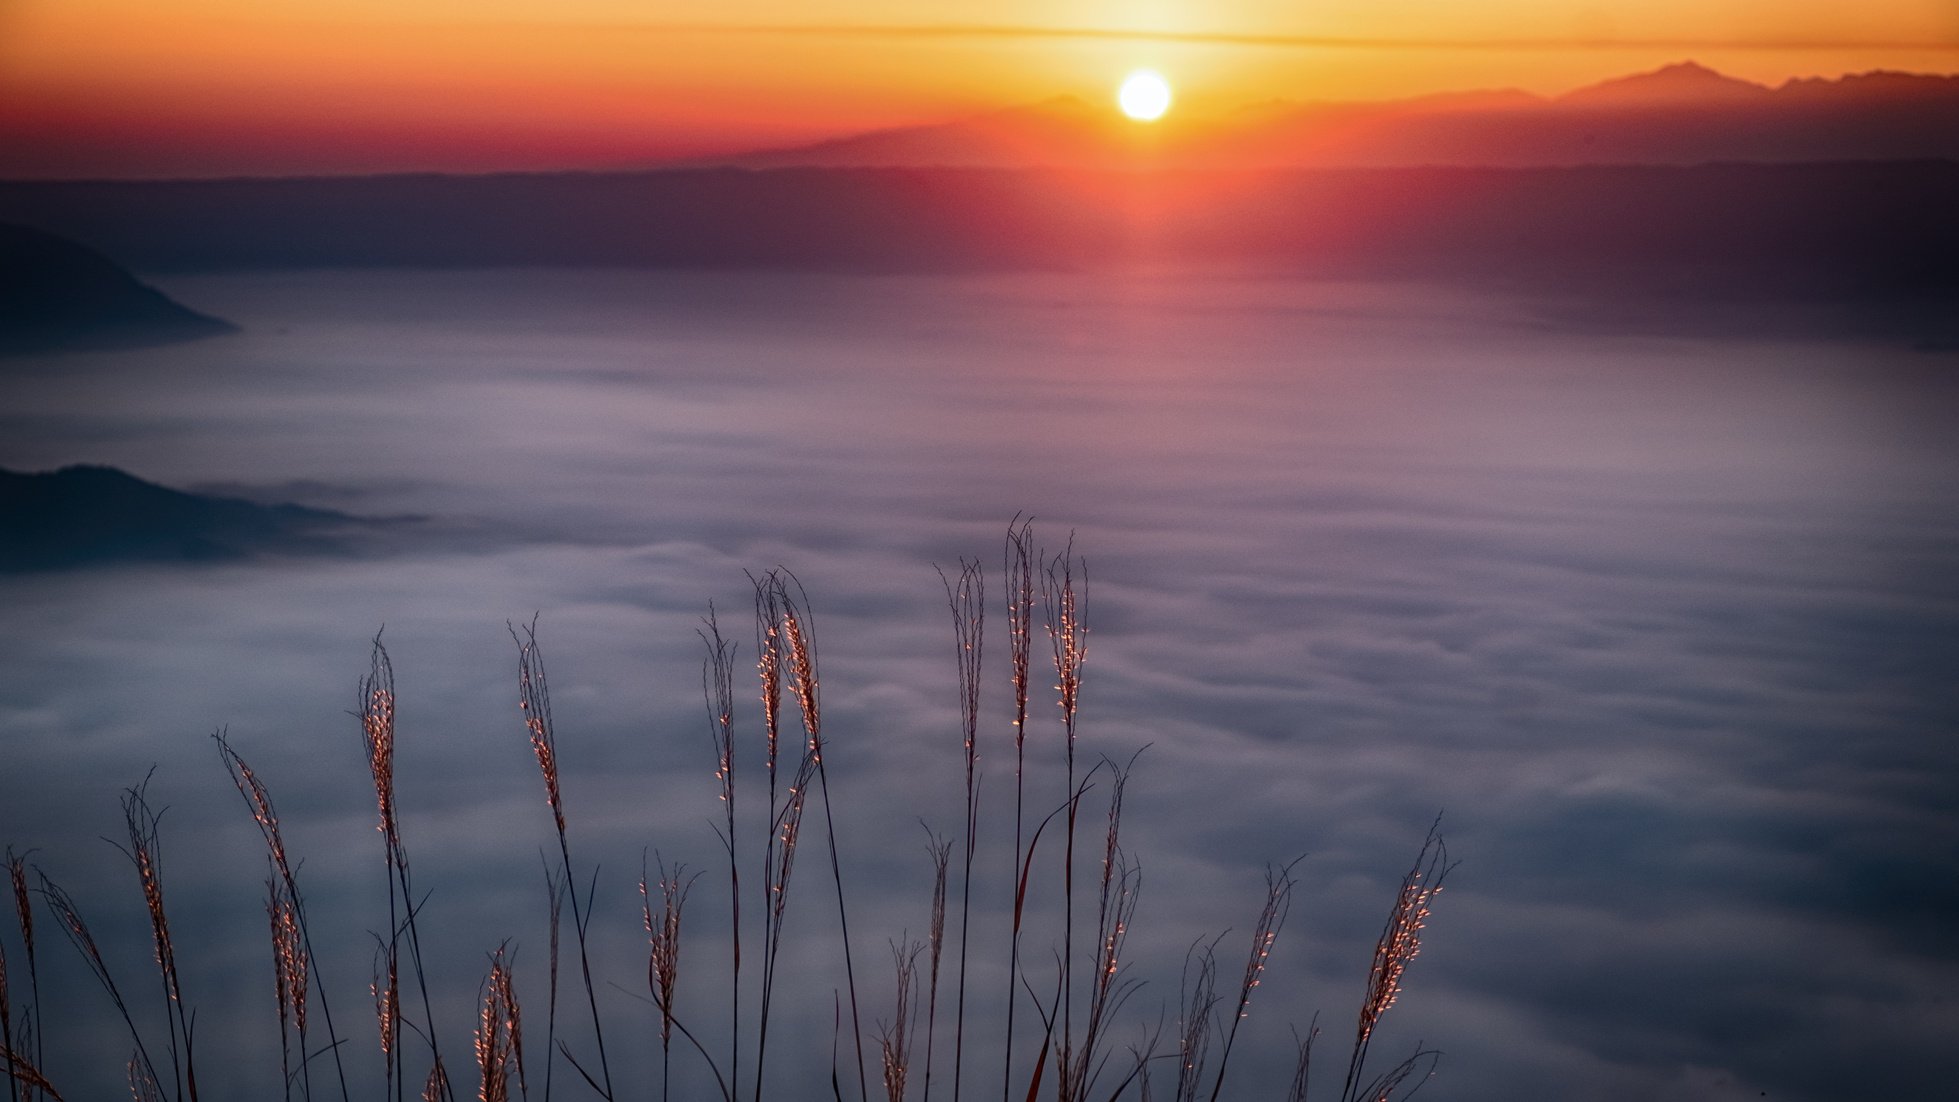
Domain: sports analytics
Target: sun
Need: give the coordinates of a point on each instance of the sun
(1144, 95)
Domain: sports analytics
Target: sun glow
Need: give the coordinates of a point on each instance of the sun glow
(1144, 95)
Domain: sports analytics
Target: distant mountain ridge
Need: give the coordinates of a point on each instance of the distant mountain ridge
(1680, 114)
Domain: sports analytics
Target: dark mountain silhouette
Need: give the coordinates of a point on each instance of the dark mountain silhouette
(86, 516)
(58, 295)
(1685, 82)
(1680, 114)
(1017, 136)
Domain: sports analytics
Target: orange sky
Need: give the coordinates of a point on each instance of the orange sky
(204, 87)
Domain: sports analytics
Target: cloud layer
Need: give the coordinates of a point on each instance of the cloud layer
(1663, 626)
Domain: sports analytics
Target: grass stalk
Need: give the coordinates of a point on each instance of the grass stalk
(554, 890)
(785, 812)
(534, 700)
(145, 853)
(1068, 639)
(295, 960)
(499, 1033)
(385, 987)
(1302, 1065)
(30, 1040)
(798, 632)
(7, 1031)
(785, 833)
(1017, 572)
(1265, 930)
(143, 1086)
(1197, 1001)
(1108, 990)
(663, 952)
(967, 601)
(1400, 942)
(436, 1088)
(377, 715)
(941, 853)
(718, 693)
(276, 912)
(68, 918)
(894, 1039)
(22, 1074)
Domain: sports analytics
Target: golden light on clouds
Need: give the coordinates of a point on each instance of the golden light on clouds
(419, 83)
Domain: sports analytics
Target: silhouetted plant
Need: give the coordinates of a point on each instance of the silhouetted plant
(499, 1033)
(377, 715)
(293, 960)
(940, 850)
(23, 1047)
(534, 700)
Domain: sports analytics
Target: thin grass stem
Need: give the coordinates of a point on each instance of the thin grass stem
(534, 700)
(259, 799)
(1265, 930)
(967, 601)
(941, 853)
(718, 692)
(68, 918)
(799, 634)
(1068, 639)
(1018, 574)
(895, 1039)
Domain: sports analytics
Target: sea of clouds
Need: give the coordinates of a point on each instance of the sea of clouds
(1662, 624)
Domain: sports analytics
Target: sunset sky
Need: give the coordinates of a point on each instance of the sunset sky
(203, 87)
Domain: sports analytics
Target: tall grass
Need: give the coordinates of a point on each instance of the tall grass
(1068, 639)
(940, 851)
(967, 600)
(663, 953)
(293, 959)
(1068, 999)
(376, 710)
(22, 1042)
(499, 1033)
(718, 693)
(534, 701)
(1017, 572)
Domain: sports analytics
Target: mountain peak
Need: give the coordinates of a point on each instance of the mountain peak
(1680, 81)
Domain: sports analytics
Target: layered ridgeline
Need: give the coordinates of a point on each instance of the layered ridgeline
(57, 295)
(1680, 115)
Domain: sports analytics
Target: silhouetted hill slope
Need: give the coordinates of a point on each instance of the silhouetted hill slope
(55, 294)
(86, 516)
(1062, 131)
(1854, 229)
(1681, 114)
